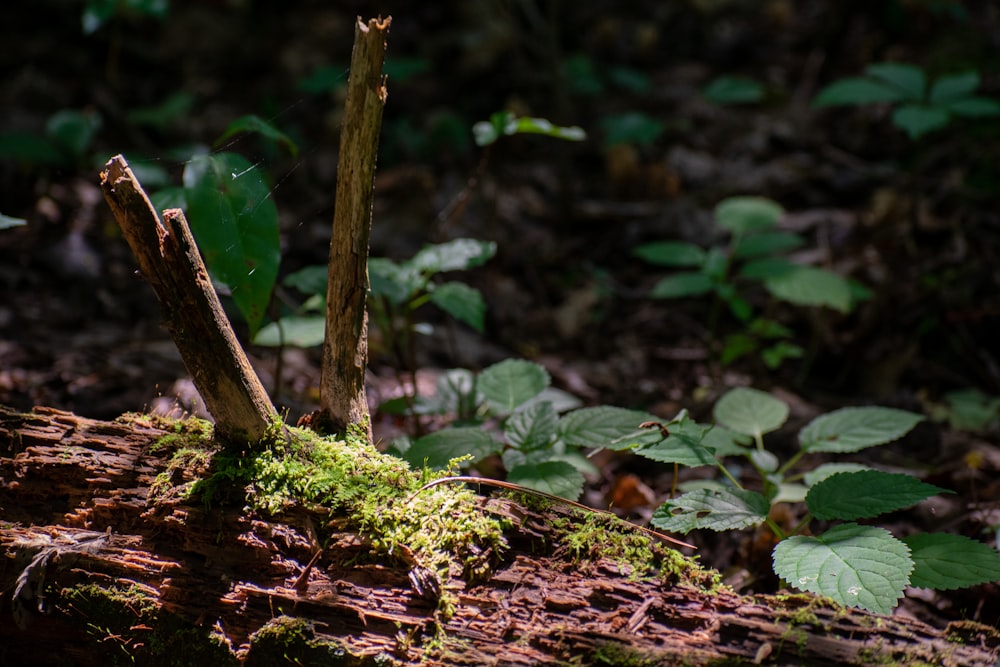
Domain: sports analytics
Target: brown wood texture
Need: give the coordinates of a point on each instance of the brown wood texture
(169, 260)
(65, 481)
(345, 350)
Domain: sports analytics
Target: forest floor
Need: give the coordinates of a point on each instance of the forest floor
(916, 222)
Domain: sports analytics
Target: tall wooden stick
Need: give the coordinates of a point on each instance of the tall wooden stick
(170, 262)
(345, 350)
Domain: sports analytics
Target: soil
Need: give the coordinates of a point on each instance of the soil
(916, 221)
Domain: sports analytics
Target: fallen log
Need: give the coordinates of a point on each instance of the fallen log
(110, 558)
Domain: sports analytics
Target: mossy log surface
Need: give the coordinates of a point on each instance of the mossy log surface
(99, 570)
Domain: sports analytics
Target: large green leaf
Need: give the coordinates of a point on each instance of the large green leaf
(854, 429)
(750, 411)
(509, 383)
(713, 508)
(811, 286)
(917, 119)
(944, 561)
(686, 283)
(904, 77)
(606, 426)
(818, 474)
(671, 253)
(954, 87)
(743, 214)
(533, 427)
(437, 449)
(766, 243)
(856, 91)
(556, 477)
(684, 445)
(974, 107)
(866, 493)
(294, 331)
(235, 222)
(456, 255)
(857, 566)
(462, 302)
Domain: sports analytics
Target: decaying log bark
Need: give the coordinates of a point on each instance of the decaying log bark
(77, 509)
(345, 350)
(168, 258)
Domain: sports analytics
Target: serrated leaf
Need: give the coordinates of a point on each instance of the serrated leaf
(437, 449)
(856, 91)
(811, 286)
(684, 445)
(235, 222)
(556, 477)
(462, 302)
(750, 411)
(715, 509)
(671, 253)
(509, 383)
(293, 331)
(606, 426)
(917, 120)
(907, 78)
(820, 473)
(766, 243)
(944, 561)
(954, 87)
(857, 566)
(252, 124)
(866, 493)
(533, 427)
(743, 214)
(853, 429)
(687, 283)
(456, 255)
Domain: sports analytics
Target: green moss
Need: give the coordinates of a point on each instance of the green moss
(130, 628)
(620, 655)
(288, 640)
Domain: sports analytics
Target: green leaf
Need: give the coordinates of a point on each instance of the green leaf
(456, 255)
(633, 127)
(462, 302)
(866, 493)
(73, 130)
(917, 120)
(910, 80)
(235, 222)
(856, 91)
(556, 477)
(766, 243)
(671, 253)
(293, 331)
(954, 87)
(817, 475)
(854, 429)
(6, 222)
(162, 115)
(685, 445)
(768, 268)
(750, 411)
(606, 426)
(714, 509)
(397, 283)
(811, 286)
(534, 427)
(509, 383)
(776, 354)
(543, 126)
(309, 279)
(974, 107)
(686, 283)
(724, 442)
(857, 566)
(733, 90)
(736, 346)
(945, 562)
(437, 449)
(252, 124)
(743, 214)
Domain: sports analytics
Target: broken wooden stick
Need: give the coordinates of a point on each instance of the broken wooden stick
(169, 260)
(345, 350)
